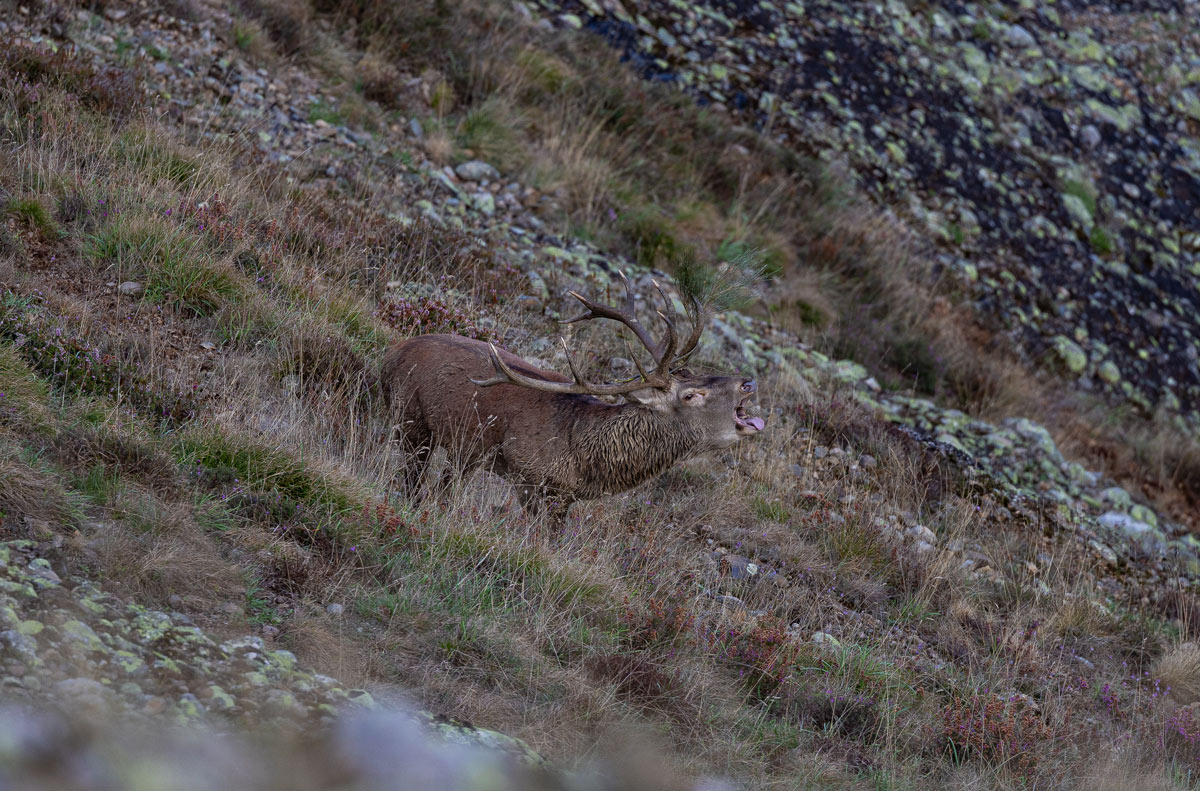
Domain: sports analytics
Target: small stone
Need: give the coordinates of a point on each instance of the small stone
(40, 529)
(1089, 135)
(1070, 354)
(155, 705)
(1020, 37)
(175, 601)
(537, 285)
(335, 609)
(921, 533)
(39, 569)
(1104, 551)
(740, 567)
(270, 632)
(1124, 523)
(414, 126)
(484, 203)
(282, 703)
(621, 364)
(81, 633)
(867, 461)
(476, 170)
(83, 694)
(130, 288)
(824, 638)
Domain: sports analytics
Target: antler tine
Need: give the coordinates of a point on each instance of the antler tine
(700, 319)
(571, 363)
(504, 374)
(626, 317)
(664, 362)
(630, 297)
(668, 350)
(635, 359)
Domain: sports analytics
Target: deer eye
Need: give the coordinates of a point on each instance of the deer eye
(749, 387)
(689, 396)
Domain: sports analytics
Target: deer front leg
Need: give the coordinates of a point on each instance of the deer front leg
(538, 501)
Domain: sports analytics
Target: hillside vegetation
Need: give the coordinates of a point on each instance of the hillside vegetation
(960, 556)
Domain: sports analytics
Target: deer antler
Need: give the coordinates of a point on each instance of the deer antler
(665, 353)
(700, 318)
(504, 374)
(624, 315)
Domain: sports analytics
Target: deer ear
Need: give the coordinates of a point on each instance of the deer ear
(648, 396)
(644, 396)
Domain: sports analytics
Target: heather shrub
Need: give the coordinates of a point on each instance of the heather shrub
(412, 316)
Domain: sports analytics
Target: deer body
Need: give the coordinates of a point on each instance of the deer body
(549, 433)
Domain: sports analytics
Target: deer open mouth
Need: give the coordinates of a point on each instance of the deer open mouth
(745, 421)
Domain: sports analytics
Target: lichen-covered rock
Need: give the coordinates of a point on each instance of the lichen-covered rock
(144, 665)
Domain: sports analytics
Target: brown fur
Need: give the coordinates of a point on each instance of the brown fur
(575, 447)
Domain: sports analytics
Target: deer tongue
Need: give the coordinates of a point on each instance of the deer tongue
(743, 419)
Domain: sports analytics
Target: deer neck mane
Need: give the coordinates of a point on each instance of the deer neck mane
(625, 445)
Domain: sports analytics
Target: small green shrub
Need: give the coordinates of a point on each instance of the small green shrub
(487, 130)
(33, 213)
(322, 110)
(914, 360)
(654, 238)
(245, 35)
(287, 22)
(100, 484)
(545, 74)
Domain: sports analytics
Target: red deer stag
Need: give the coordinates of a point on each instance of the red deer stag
(547, 432)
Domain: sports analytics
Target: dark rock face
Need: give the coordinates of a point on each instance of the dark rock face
(1052, 152)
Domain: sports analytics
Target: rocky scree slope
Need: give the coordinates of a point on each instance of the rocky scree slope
(1052, 150)
(149, 659)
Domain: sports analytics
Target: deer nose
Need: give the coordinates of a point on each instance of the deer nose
(749, 386)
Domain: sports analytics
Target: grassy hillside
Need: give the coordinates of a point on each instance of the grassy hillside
(216, 219)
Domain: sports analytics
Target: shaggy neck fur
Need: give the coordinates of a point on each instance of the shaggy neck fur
(627, 446)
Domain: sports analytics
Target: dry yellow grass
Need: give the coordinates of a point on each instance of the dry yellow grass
(1179, 672)
(285, 503)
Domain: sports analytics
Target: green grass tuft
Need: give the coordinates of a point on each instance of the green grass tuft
(173, 263)
(257, 467)
(1101, 241)
(771, 510)
(1084, 192)
(32, 212)
(24, 396)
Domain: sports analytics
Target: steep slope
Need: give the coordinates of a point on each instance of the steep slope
(216, 221)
